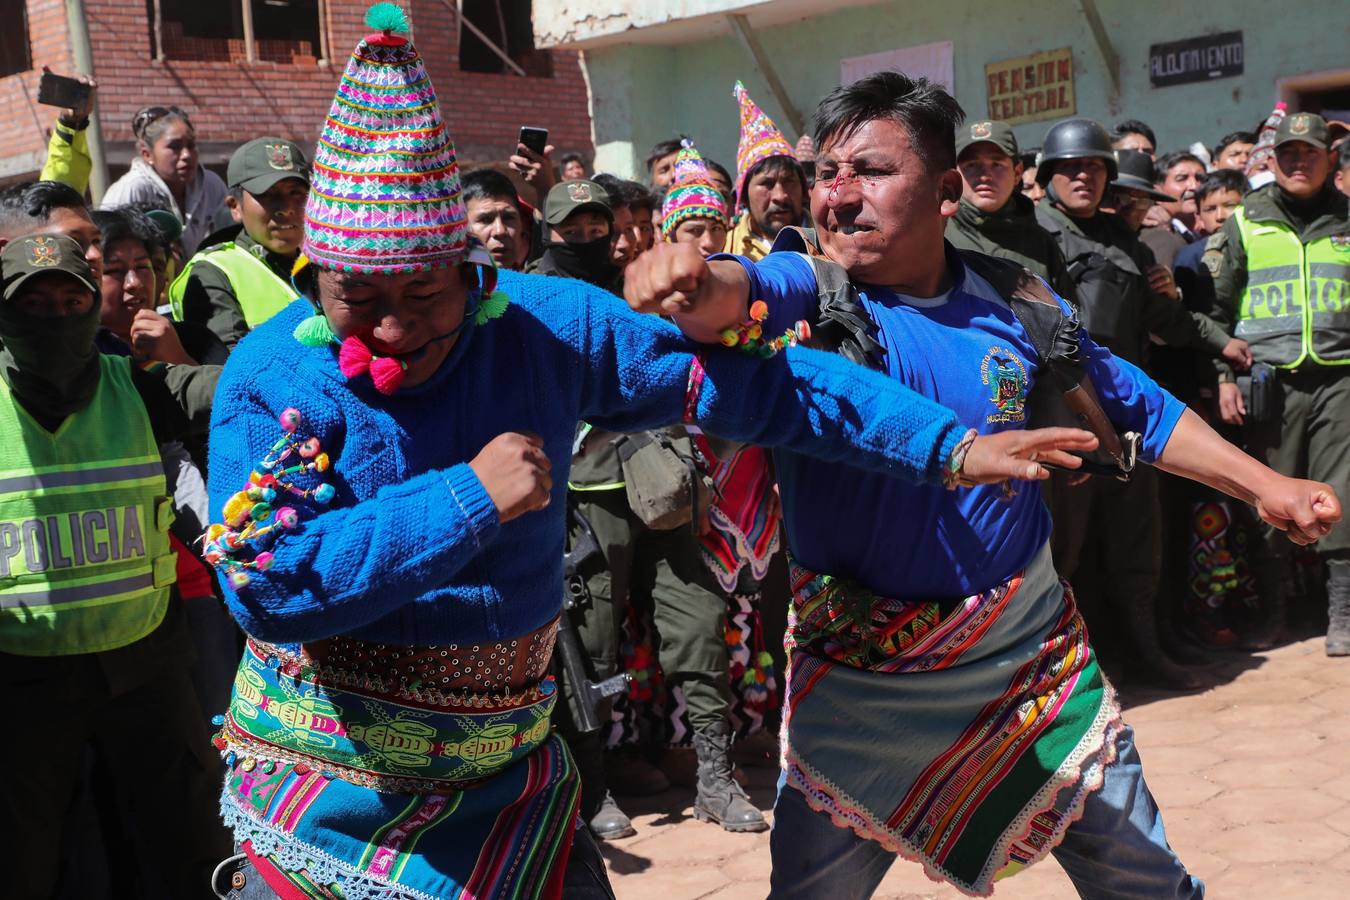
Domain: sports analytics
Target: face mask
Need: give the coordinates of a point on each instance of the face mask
(588, 262)
(49, 363)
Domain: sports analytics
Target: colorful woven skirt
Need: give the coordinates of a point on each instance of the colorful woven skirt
(964, 735)
(346, 786)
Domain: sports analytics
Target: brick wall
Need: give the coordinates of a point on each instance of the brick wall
(23, 123)
(231, 102)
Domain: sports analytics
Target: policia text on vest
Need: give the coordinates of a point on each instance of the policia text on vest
(1293, 309)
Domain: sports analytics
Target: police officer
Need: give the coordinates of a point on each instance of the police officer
(995, 217)
(235, 286)
(1281, 268)
(689, 613)
(1124, 297)
(93, 648)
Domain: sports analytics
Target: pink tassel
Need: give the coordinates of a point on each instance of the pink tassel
(355, 357)
(387, 373)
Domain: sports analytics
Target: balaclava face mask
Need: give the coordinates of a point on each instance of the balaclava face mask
(587, 261)
(51, 364)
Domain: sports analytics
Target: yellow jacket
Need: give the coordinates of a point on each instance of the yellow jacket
(68, 157)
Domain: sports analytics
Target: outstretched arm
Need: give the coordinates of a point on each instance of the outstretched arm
(702, 297)
(1304, 510)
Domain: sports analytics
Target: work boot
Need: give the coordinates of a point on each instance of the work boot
(1338, 607)
(611, 823)
(720, 799)
(631, 775)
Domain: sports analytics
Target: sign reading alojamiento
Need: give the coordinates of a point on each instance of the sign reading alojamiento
(1195, 59)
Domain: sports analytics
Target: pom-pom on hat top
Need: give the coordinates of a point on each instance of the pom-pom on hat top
(760, 140)
(385, 193)
(692, 194)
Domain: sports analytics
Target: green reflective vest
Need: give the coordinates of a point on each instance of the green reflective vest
(260, 292)
(1295, 309)
(85, 562)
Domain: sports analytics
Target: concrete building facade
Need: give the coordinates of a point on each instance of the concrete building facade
(285, 89)
(658, 67)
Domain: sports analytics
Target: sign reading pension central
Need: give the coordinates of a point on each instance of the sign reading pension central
(1195, 59)
(1031, 88)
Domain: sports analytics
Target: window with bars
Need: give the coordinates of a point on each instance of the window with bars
(494, 31)
(15, 55)
(283, 31)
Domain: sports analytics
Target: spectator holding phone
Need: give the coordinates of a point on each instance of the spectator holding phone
(68, 159)
(168, 170)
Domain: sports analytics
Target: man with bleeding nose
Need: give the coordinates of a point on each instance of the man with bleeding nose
(234, 287)
(905, 609)
(995, 217)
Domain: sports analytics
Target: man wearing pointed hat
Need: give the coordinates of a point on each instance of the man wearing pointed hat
(389, 458)
(770, 182)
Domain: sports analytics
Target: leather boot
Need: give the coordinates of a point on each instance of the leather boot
(610, 823)
(1267, 624)
(1338, 607)
(720, 799)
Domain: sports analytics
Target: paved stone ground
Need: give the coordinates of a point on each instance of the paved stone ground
(1252, 775)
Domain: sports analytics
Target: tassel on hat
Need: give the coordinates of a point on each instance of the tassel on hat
(692, 194)
(760, 140)
(385, 196)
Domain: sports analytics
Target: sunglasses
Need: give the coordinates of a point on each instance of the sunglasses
(152, 114)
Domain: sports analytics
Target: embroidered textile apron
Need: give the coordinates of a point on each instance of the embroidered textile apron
(965, 736)
(370, 771)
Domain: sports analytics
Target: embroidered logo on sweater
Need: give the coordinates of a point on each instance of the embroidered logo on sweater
(1005, 376)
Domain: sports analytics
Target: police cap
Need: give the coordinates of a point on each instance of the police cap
(28, 257)
(986, 131)
(264, 161)
(567, 197)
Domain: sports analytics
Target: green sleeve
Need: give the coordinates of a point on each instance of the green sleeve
(68, 157)
(1226, 261)
(208, 299)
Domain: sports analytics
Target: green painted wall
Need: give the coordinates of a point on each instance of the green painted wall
(643, 93)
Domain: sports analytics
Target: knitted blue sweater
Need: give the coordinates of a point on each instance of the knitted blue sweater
(411, 552)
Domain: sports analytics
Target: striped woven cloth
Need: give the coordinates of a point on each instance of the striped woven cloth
(964, 736)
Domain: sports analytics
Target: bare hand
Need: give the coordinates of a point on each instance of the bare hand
(1161, 281)
(153, 337)
(1157, 217)
(536, 169)
(514, 471)
(1024, 455)
(78, 115)
(665, 280)
(1231, 406)
(1237, 354)
(1304, 510)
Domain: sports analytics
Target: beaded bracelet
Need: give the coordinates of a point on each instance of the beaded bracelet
(952, 475)
(749, 337)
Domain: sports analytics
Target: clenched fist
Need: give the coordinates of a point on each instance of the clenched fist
(515, 473)
(154, 337)
(666, 280)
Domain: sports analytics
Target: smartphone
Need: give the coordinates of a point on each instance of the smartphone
(534, 138)
(58, 90)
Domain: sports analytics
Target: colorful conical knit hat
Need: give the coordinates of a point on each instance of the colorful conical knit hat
(760, 139)
(385, 195)
(692, 194)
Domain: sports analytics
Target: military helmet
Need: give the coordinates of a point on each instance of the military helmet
(1075, 139)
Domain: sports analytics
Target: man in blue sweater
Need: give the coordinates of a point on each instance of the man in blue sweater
(402, 434)
(943, 702)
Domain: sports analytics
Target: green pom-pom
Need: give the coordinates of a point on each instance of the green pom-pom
(492, 307)
(314, 332)
(388, 17)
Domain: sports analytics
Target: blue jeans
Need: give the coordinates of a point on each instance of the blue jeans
(1116, 851)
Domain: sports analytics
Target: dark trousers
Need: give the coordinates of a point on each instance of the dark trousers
(689, 607)
(1310, 438)
(1107, 536)
(152, 741)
